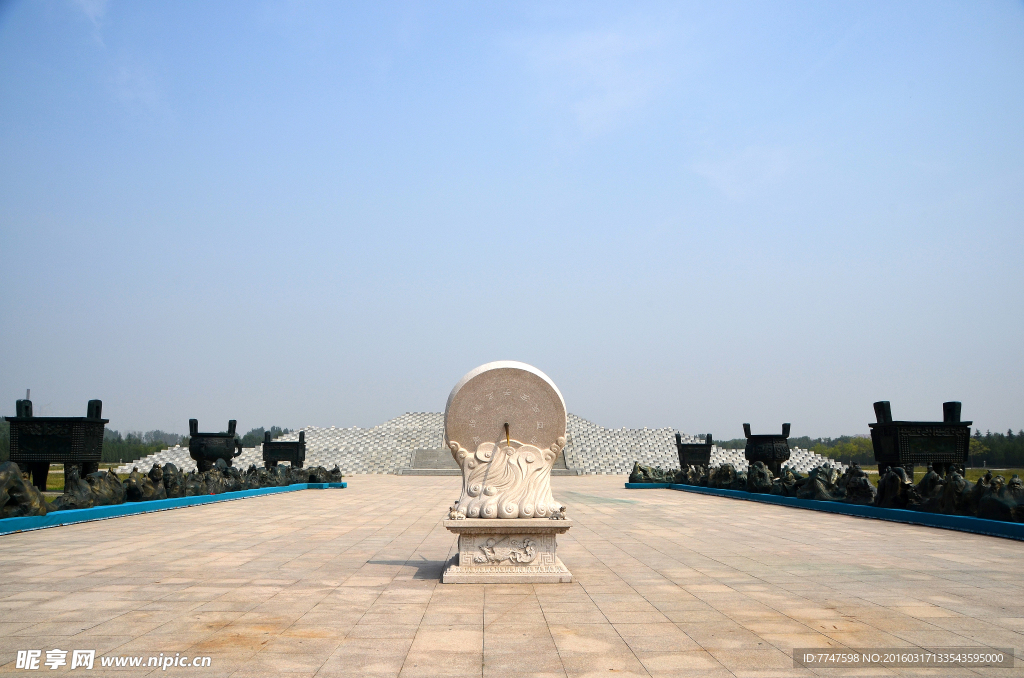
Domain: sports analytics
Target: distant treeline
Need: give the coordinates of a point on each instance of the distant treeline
(998, 450)
(995, 450)
(255, 436)
(132, 445)
(843, 448)
(135, 445)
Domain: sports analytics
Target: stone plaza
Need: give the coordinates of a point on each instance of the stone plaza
(347, 583)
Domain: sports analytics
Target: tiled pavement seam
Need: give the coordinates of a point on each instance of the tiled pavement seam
(663, 587)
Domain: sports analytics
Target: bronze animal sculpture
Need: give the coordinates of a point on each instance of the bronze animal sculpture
(281, 476)
(723, 477)
(232, 479)
(250, 481)
(895, 489)
(697, 475)
(215, 478)
(820, 484)
(931, 490)
(174, 482)
(646, 474)
(195, 484)
(956, 494)
(759, 478)
(264, 478)
(106, 488)
(156, 474)
(856, 487)
(786, 484)
(972, 500)
(77, 493)
(18, 497)
(139, 487)
(1003, 500)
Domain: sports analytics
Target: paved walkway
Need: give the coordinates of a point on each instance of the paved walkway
(345, 582)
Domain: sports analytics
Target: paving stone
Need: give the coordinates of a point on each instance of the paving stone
(345, 582)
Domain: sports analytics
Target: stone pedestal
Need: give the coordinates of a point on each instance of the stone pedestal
(507, 551)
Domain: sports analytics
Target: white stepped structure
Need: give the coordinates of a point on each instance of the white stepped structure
(590, 449)
(799, 459)
(178, 456)
(596, 450)
(381, 449)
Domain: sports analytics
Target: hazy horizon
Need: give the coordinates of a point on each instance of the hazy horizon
(687, 215)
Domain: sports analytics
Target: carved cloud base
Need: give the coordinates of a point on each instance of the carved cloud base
(507, 551)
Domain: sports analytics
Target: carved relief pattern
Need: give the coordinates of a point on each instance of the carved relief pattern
(773, 450)
(896, 443)
(506, 480)
(499, 550)
(523, 552)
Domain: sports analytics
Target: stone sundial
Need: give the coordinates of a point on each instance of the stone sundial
(505, 426)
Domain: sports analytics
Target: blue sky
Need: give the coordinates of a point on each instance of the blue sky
(688, 215)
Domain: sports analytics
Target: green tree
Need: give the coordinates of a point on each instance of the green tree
(128, 447)
(847, 449)
(255, 436)
(978, 452)
(1003, 450)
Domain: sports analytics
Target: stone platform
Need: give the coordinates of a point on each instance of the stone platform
(507, 551)
(347, 583)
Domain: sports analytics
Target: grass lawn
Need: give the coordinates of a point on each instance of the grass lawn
(55, 479)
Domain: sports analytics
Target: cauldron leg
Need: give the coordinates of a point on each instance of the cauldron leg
(89, 467)
(909, 468)
(40, 470)
(203, 465)
(297, 464)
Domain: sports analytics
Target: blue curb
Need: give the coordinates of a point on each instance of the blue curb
(992, 528)
(644, 486)
(56, 518)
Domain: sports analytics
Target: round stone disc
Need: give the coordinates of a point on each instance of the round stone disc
(504, 392)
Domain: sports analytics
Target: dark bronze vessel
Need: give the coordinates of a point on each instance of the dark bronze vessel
(207, 448)
(291, 451)
(37, 442)
(693, 454)
(770, 449)
(943, 444)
